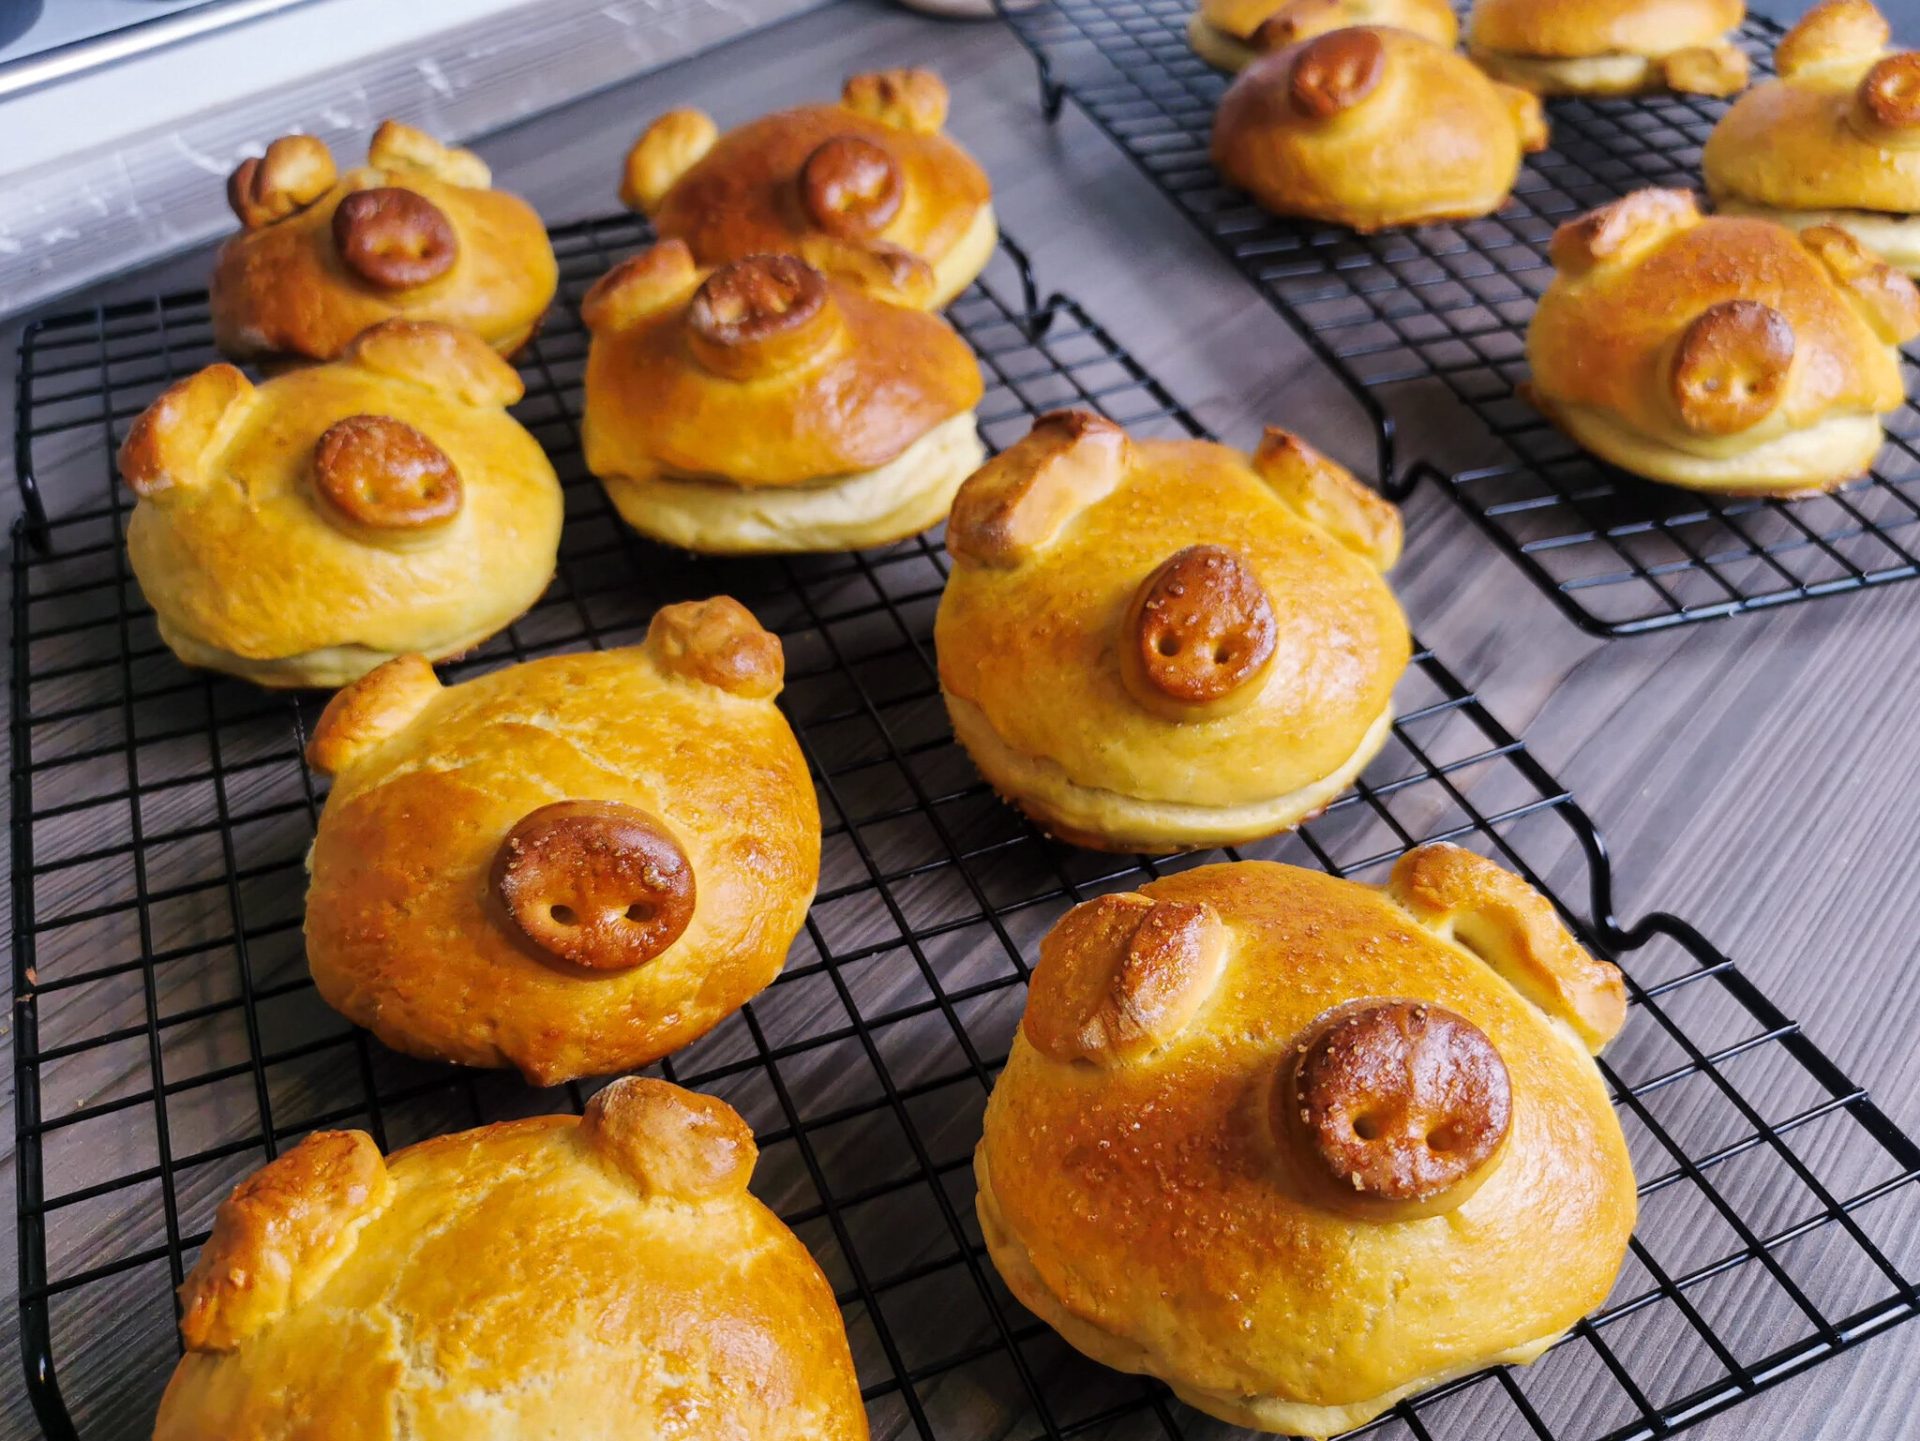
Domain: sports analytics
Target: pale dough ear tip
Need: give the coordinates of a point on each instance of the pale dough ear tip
(281, 1232)
(718, 642)
(666, 150)
(1324, 492)
(167, 444)
(1120, 975)
(1486, 909)
(443, 357)
(1016, 503)
(378, 706)
(1618, 230)
(670, 1142)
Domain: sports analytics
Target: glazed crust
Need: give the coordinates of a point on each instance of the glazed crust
(405, 932)
(1430, 139)
(1229, 33)
(599, 1278)
(251, 569)
(1152, 1208)
(1577, 29)
(1052, 540)
(843, 391)
(281, 289)
(1818, 137)
(743, 193)
(1653, 306)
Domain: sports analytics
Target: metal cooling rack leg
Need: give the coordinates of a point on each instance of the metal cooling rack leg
(1053, 94)
(33, 507)
(1036, 315)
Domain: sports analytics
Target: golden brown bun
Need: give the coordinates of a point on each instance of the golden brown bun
(752, 407)
(1719, 353)
(1230, 33)
(1248, 1190)
(440, 915)
(1610, 47)
(1128, 702)
(871, 173)
(601, 1279)
(1577, 29)
(1372, 127)
(1837, 131)
(275, 544)
(285, 288)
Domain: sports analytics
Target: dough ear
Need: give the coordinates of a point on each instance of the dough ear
(718, 643)
(670, 1142)
(911, 100)
(1619, 231)
(401, 147)
(279, 1236)
(1120, 975)
(1707, 70)
(1015, 504)
(1320, 491)
(442, 357)
(1886, 298)
(295, 171)
(880, 269)
(660, 276)
(1469, 900)
(1836, 30)
(666, 150)
(1529, 116)
(375, 708)
(170, 444)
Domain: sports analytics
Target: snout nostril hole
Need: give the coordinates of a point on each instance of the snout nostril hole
(1169, 645)
(639, 911)
(1367, 1128)
(1442, 1139)
(563, 916)
(1222, 654)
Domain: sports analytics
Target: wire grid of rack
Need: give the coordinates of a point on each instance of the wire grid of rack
(1447, 306)
(168, 1040)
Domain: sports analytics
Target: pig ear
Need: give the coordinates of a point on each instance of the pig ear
(173, 443)
(368, 713)
(660, 276)
(666, 150)
(280, 1235)
(1619, 231)
(1837, 30)
(295, 171)
(911, 100)
(717, 642)
(442, 357)
(1015, 504)
(1324, 492)
(401, 147)
(1886, 299)
(668, 1142)
(1121, 975)
(1488, 910)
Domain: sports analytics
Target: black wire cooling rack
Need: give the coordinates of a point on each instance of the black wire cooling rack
(1447, 306)
(167, 1040)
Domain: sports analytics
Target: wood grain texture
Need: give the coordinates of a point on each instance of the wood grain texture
(1758, 776)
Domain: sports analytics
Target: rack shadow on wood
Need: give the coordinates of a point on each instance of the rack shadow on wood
(167, 1039)
(1447, 306)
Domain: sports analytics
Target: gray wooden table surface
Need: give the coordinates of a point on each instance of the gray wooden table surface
(1760, 776)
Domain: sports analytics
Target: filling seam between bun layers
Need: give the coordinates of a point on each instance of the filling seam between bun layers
(1821, 457)
(907, 495)
(1110, 820)
(1894, 237)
